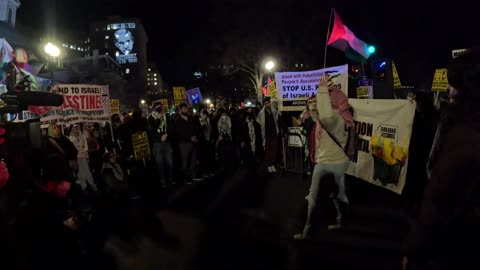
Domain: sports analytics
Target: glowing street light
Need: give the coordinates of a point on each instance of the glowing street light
(52, 50)
(269, 65)
(142, 101)
(208, 101)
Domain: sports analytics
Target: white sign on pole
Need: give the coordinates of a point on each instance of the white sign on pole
(457, 53)
(294, 88)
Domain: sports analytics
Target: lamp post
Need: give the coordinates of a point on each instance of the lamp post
(269, 65)
(53, 52)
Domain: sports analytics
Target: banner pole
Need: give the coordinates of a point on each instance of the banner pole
(326, 40)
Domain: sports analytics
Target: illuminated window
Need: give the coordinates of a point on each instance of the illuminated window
(106, 53)
(301, 65)
(296, 65)
(127, 71)
(148, 83)
(155, 74)
(155, 83)
(149, 69)
(107, 37)
(155, 79)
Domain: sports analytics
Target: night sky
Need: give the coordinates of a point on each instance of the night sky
(185, 36)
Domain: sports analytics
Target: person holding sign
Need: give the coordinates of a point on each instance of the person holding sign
(326, 150)
(160, 131)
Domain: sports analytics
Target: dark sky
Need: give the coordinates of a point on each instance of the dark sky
(181, 33)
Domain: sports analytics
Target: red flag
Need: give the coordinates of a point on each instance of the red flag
(343, 39)
(265, 91)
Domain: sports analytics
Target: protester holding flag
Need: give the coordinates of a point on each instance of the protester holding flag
(327, 140)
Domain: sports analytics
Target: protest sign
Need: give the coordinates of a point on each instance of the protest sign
(81, 104)
(115, 106)
(294, 88)
(179, 95)
(141, 146)
(384, 128)
(194, 96)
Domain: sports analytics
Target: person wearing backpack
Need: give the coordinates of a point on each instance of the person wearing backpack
(328, 141)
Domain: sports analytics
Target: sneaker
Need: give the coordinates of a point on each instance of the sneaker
(300, 236)
(335, 226)
(197, 178)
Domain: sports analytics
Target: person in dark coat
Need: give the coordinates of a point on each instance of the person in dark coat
(446, 232)
(251, 143)
(160, 130)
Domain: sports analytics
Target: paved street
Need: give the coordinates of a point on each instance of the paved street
(246, 222)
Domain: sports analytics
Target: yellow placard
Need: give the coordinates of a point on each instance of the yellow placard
(114, 106)
(273, 89)
(396, 79)
(141, 146)
(362, 92)
(164, 102)
(179, 95)
(440, 81)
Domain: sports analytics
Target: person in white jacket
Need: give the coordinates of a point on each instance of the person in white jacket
(327, 153)
(84, 174)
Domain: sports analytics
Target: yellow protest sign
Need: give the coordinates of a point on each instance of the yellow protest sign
(179, 95)
(114, 106)
(273, 89)
(440, 82)
(362, 92)
(396, 79)
(141, 146)
(164, 103)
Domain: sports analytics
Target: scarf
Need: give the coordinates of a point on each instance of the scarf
(205, 122)
(251, 133)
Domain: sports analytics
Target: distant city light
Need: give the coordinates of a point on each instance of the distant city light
(107, 37)
(142, 101)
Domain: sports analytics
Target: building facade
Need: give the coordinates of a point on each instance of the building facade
(125, 40)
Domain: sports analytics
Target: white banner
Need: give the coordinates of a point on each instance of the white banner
(81, 104)
(384, 128)
(294, 88)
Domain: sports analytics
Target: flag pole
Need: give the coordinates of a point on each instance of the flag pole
(326, 40)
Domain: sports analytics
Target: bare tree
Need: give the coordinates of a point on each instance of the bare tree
(255, 76)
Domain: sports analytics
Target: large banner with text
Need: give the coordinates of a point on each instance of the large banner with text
(384, 128)
(294, 88)
(81, 104)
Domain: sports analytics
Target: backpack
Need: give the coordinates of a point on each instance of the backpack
(351, 147)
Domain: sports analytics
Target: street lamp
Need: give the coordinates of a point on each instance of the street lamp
(269, 65)
(142, 101)
(208, 101)
(52, 50)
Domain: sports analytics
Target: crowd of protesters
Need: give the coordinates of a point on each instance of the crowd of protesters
(80, 164)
